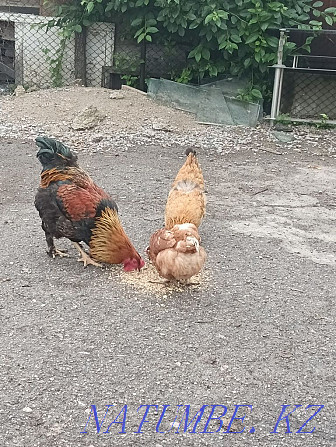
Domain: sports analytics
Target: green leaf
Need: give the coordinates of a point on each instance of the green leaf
(223, 45)
(272, 41)
(152, 30)
(317, 4)
(208, 18)
(222, 14)
(150, 22)
(329, 20)
(257, 93)
(213, 71)
(235, 38)
(198, 57)
(181, 31)
(252, 38)
(148, 37)
(194, 24)
(137, 22)
(90, 7)
(77, 28)
(109, 6)
(141, 37)
(247, 62)
(141, 30)
(206, 54)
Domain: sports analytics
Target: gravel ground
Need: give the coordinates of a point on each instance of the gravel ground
(256, 328)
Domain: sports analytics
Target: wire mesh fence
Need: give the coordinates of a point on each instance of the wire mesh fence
(309, 80)
(31, 56)
(135, 62)
(34, 57)
(309, 95)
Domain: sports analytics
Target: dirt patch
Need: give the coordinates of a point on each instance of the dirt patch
(131, 118)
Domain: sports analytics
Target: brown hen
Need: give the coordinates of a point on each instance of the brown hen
(176, 253)
(186, 199)
(175, 250)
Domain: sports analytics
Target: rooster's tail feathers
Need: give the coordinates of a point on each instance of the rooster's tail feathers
(53, 153)
(51, 146)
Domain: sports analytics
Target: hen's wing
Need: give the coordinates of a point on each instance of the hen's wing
(185, 204)
(160, 240)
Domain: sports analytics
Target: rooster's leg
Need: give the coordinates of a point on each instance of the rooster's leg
(85, 258)
(52, 250)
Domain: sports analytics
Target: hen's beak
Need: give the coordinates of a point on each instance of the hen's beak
(196, 244)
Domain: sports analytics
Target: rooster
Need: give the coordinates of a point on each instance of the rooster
(175, 250)
(186, 199)
(71, 205)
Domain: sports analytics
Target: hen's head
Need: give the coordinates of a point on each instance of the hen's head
(53, 153)
(131, 264)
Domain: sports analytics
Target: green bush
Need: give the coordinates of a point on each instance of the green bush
(227, 36)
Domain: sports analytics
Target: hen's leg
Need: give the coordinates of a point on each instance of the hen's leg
(85, 258)
(52, 250)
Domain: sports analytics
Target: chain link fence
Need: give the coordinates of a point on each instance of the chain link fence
(32, 57)
(102, 56)
(309, 95)
(309, 80)
(133, 63)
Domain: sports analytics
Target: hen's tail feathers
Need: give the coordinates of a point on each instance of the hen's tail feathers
(190, 151)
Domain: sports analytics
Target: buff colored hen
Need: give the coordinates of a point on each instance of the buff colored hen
(175, 250)
(186, 199)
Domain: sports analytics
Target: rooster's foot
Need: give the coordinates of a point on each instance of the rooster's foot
(85, 258)
(53, 252)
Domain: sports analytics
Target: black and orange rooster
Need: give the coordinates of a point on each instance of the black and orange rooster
(71, 205)
(175, 250)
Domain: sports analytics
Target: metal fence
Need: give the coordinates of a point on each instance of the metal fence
(306, 85)
(101, 56)
(31, 56)
(136, 62)
(309, 95)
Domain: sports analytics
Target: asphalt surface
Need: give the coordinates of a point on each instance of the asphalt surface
(258, 329)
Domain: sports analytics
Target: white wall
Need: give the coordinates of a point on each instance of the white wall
(31, 62)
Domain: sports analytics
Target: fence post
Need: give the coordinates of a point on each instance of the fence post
(278, 78)
(142, 79)
(80, 56)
